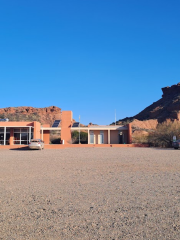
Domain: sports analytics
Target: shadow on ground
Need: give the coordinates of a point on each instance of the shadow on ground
(23, 149)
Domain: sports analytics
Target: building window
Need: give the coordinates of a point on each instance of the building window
(21, 136)
(1, 138)
(7, 136)
(91, 137)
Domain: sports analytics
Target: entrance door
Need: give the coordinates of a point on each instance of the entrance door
(101, 138)
(121, 138)
(91, 137)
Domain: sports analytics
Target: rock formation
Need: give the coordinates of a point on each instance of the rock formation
(45, 115)
(166, 108)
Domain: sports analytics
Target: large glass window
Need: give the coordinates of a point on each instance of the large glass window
(21, 136)
(7, 136)
(16, 138)
(1, 138)
(2, 132)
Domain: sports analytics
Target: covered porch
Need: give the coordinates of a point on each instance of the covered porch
(107, 134)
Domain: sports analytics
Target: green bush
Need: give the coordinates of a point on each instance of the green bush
(163, 135)
(83, 137)
(56, 141)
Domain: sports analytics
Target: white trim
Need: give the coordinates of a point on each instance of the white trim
(29, 134)
(4, 135)
(51, 128)
(109, 134)
(100, 128)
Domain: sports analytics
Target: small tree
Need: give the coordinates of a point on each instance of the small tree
(83, 137)
(163, 135)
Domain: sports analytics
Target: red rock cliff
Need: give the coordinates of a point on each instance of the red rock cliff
(45, 115)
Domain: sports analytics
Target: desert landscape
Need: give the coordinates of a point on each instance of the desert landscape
(90, 193)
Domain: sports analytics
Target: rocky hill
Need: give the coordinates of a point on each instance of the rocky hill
(44, 115)
(166, 108)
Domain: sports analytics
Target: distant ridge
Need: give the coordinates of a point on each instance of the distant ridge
(166, 108)
(45, 115)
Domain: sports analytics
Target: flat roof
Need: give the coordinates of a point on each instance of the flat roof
(99, 127)
(51, 128)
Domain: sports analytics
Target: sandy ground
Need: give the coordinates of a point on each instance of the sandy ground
(90, 193)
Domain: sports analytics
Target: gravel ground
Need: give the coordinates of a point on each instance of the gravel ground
(90, 193)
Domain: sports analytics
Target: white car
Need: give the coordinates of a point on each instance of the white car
(36, 144)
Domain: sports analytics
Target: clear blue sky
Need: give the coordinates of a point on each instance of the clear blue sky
(88, 56)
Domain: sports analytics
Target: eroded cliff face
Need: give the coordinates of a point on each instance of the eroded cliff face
(167, 108)
(45, 115)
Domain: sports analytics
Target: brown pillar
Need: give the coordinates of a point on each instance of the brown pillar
(11, 136)
(129, 133)
(66, 122)
(37, 128)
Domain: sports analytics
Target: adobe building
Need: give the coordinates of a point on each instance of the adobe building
(20, 133)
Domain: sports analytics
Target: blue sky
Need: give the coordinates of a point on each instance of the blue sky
(88, 56)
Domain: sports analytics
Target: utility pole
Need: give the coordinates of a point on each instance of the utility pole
(115, 117)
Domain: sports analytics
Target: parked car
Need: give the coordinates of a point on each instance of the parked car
(36, 144)
(176, 144)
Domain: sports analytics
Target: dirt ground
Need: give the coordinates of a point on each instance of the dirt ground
(90, 193)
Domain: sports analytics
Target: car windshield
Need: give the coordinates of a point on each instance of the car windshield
(35, 140)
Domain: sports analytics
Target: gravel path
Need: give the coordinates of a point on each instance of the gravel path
(90, 193)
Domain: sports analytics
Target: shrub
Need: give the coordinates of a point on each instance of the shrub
(56, 141)
(83, 137)
(163, 135)
(140, 138)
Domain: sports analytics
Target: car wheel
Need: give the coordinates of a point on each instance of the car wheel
(175, 147)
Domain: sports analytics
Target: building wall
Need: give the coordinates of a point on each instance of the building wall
(96, 133)
(37, 129)
(17, 124)
(97, 136)
(105, 136)
(11, 125)
(66, 131)
(66, 122)
(114, 136)
(46, 136)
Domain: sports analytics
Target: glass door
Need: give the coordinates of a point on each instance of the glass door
(91, 137)
(101, 137)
